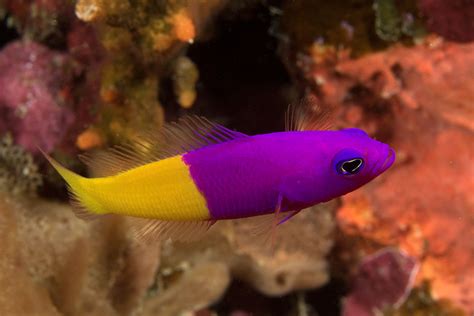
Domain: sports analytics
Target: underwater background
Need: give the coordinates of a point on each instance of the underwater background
(80, 76)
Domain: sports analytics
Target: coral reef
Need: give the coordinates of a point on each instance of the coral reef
(70, 267)
(143, 40)
(90, 73)
(41, 21)
(76, 268)
(34, 99)
(387, 20)
(297, 262)
(18, 171)
(211, 278)
(391, 24)
(421, 303)
(14, 277)
(383, 280)
(356, 26)
(417, 99)
(118, 56)
(450, 19)
(185, 77)
(89, 139)
(70, 55)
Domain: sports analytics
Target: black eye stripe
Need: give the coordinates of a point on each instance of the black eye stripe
(352, 166)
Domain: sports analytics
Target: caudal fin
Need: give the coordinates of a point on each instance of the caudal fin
(83, 204)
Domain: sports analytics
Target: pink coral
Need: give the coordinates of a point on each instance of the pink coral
(383, 280)
(35, 95)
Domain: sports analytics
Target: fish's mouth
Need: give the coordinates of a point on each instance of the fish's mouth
(389, 160)
(386, 163)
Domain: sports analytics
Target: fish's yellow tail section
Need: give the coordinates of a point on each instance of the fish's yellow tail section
(85, 206)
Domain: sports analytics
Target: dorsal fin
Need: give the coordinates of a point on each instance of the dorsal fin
(308, 115)
(187, 134)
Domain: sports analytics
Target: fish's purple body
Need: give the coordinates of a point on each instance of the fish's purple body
(249, 176)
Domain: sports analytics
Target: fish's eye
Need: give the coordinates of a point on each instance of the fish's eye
(351, 166)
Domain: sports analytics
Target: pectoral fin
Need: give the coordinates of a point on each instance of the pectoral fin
(289, 216)
(265, 226)
(276, 221)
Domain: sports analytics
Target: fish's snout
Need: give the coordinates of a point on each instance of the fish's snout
(389, 160)
(385, 160)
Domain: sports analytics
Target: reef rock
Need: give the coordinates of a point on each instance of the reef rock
(35, 99)
(232, 250)
(419, 100)
(298, 260)
(196, 288)
(53, 263)
(19, 294)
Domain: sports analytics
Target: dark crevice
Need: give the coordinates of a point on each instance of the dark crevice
(7, 34)
(242, 297)
(242, 83)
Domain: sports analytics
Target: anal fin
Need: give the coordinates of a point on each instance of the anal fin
(152, 230)
(81, 211)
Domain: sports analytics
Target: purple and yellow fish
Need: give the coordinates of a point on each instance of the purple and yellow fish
(202, 172)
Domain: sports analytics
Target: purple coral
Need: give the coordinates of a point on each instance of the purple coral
(384, 279)
(34, 95)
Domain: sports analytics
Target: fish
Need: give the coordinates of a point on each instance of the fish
(179, 181)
